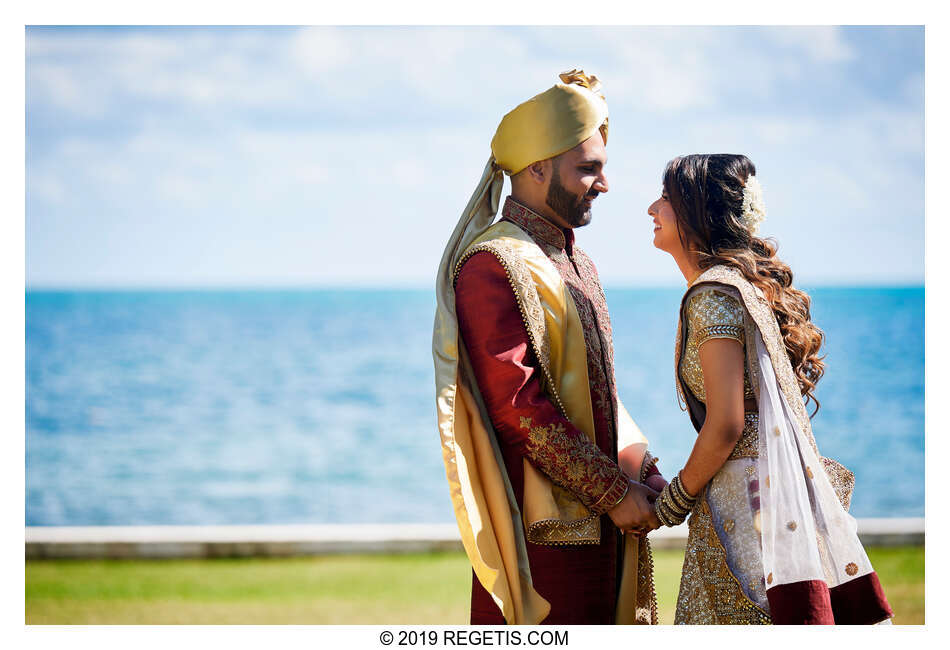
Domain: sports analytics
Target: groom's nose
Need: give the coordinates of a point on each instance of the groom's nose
(600, 185)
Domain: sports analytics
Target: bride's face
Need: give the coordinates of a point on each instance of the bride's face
(665, 235)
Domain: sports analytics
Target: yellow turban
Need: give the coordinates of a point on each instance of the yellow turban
(551, 123)
(546, 125)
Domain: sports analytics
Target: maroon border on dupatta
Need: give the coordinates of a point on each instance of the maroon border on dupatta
(857, 602)
(860, 601)
(801, 603)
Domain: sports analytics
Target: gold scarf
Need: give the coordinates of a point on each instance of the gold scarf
(486, 510)
(492, 532)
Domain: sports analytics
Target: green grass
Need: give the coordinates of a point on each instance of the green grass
(901, 571)
(353, 589)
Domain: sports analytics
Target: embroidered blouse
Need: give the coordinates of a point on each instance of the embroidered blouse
(710, 314)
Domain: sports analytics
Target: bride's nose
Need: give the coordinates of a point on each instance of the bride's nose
(651, 209)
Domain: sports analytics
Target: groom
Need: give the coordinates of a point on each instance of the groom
(545, 466)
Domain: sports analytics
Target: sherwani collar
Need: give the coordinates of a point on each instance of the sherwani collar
(537, 226)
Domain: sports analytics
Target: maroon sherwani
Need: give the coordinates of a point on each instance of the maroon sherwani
(580, 581)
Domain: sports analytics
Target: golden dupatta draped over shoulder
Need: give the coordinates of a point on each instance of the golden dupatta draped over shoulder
(485, 506)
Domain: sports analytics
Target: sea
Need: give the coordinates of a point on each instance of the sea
(206, 407)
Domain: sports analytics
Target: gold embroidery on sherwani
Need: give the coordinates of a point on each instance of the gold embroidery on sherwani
(598, 335)
(636, 602)
(526, 295)
(580, 277)
(561, 457)
(578, 525)
(548, 232)
(646, 601)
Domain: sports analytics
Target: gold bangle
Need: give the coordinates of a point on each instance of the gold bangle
(622, 496)
(661, 514)
(674, 499)
(595, 507)
(678, 500)
(679, 491)
(668, 512)
(682, 488)
(674, 507)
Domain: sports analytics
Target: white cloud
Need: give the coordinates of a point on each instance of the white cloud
(321, 50)
(109, 173)
(57, 85)
(273, 143)
(311, 174)
(821, 44)
(44, 187)
(454, 70)
(178, 188)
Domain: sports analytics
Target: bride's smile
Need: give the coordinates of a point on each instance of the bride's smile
(665, 234)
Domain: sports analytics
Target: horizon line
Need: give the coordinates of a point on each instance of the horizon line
(50, 288)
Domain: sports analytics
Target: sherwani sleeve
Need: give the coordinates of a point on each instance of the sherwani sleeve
(509, 380)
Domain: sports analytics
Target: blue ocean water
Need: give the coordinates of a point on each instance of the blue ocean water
(253, 407)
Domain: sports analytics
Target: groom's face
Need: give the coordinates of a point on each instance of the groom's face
(577, 178)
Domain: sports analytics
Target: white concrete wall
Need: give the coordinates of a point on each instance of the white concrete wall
(276, 541)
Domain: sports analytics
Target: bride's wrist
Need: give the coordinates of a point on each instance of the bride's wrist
(688, 492)
(674, 503)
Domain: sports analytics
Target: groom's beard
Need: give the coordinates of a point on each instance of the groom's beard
(567, 205)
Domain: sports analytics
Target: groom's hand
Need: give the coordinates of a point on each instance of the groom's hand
(655, 482)
(635, 511)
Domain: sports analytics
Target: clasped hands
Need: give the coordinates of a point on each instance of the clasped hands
(635, 513)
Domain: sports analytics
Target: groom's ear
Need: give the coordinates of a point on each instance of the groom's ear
(539, 171)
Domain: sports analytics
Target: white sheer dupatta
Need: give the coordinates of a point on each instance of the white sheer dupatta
(806, 532)
(814, 566)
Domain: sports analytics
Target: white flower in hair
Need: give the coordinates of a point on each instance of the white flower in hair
(753, 206)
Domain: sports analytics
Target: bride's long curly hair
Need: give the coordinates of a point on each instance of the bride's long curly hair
(705, 191)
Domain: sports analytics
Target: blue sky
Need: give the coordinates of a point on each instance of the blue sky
(344, 155)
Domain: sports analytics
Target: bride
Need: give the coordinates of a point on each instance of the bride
(770, 539)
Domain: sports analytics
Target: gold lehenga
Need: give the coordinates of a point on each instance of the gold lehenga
(776, 507)
(722, 581)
